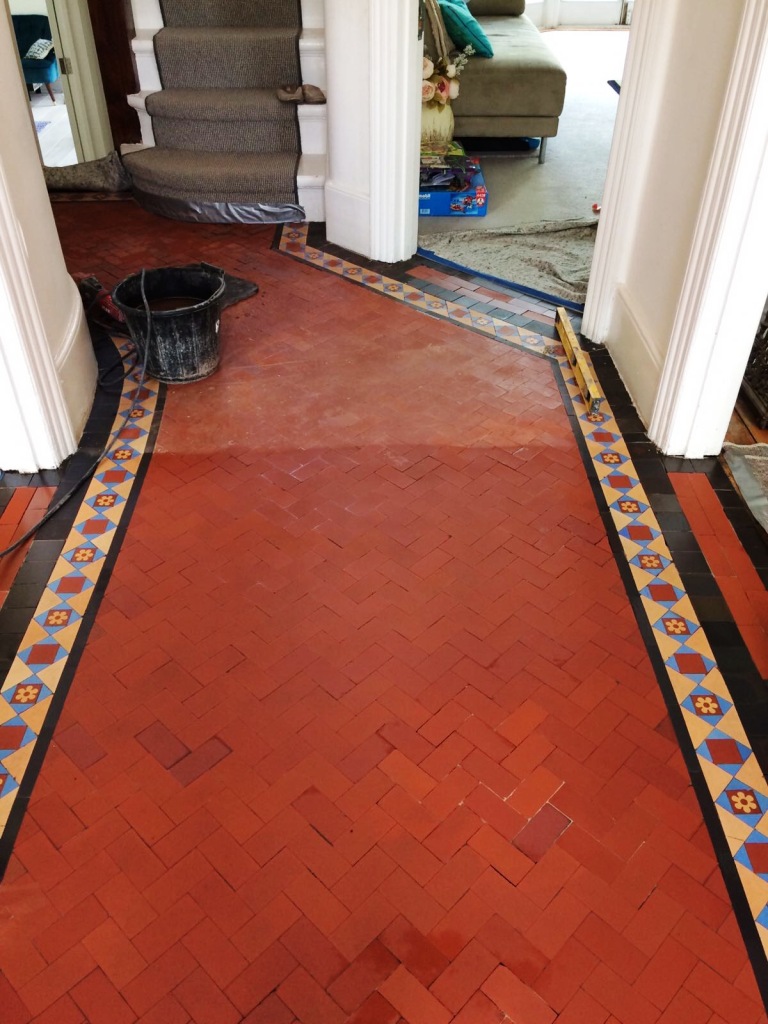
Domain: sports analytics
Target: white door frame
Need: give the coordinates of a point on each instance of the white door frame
(83, 89)
(725, 285)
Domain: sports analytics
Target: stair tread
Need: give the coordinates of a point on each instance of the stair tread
(238, 12)
(190, 34)
(193, 171)
(219, 104)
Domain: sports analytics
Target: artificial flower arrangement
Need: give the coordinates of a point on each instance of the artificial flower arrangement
(440, 78)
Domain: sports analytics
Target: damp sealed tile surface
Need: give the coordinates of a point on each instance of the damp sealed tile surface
(368, 726)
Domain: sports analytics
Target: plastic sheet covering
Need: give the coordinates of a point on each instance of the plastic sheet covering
(220, 213)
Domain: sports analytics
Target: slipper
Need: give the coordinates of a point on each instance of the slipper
(290, 94)
(313, 94)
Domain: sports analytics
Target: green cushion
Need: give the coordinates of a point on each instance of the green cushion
(463, 29)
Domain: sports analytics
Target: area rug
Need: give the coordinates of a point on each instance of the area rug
(553, 258)
(749, 465)
(39, 125)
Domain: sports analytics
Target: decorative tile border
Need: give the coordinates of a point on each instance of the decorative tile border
(733, 778)
(35, 685)
(728, 766)
(293, 242)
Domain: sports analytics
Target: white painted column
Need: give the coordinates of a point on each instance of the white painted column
(374, 115)
(726, 283)
(47, 367)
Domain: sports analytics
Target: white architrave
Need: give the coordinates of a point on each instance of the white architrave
(640, 94)
(47, 367)
(725, 286)
(374, 114)
(71, 23)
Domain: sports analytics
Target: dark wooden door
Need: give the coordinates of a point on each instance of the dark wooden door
(112, 22)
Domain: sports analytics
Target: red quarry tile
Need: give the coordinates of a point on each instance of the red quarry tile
(202, 998)
(262, 976)
(339, 634)
(14, 1009)
(309, 1002)
(496, 812)
(115, 954)
(516, 999)
(412, 1000)
(159, 978)
(460, 925)
(480, 1010)
(464, 976)
(364, 975)
(315, 952)
(412, 948)
(561, 981)
(534, 791)
(713, 990)
(363, 926)
(456, 877)
(544, 829)
(611, 948)
(100, 1001)
(272, 1011)
(57, 979)
(375, 1010)
(161, 743)
(453, 832)
(511, 863)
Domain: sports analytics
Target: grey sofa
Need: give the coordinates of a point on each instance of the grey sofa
(520, 91)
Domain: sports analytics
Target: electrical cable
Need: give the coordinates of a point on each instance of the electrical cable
(112, 437)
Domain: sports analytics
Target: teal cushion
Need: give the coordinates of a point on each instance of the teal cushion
(463, 28)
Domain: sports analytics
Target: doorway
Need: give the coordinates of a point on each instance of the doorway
(580, 13)
(50, 102)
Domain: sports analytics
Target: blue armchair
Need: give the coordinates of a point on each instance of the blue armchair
(28, 28)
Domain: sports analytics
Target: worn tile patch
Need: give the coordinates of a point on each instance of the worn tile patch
(293, 242)
(29, 690)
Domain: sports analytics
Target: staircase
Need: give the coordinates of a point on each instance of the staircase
(217, 143)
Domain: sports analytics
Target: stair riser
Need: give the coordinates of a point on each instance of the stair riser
(237, 62)
(244, 13)
(226, 136)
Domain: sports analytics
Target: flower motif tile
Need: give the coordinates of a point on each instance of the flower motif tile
(30, 686)
(736, 784)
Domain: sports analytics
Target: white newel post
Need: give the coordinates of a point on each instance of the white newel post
(47, 366)
(373, 57)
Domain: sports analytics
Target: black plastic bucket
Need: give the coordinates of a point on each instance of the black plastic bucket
(185, 312)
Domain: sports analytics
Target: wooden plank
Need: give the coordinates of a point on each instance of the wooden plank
(582, 371)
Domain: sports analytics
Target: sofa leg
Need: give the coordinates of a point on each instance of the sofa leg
(543, 151)
(50, 91)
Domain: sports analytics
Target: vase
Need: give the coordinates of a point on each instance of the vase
(436, 125)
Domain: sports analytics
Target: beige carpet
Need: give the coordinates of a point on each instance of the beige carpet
(550, 258)
(523, 194)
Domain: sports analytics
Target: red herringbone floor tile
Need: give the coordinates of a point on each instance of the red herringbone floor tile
(350, 740)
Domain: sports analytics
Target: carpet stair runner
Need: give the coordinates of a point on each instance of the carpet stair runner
(225, 147)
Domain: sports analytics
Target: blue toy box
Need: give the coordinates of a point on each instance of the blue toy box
(463, 196)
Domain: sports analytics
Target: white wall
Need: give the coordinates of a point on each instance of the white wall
(27, 6)
(681, 60)
(47, 368)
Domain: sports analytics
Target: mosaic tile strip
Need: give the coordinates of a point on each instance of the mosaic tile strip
(735, 782)
(29, 690)
(293, 242)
